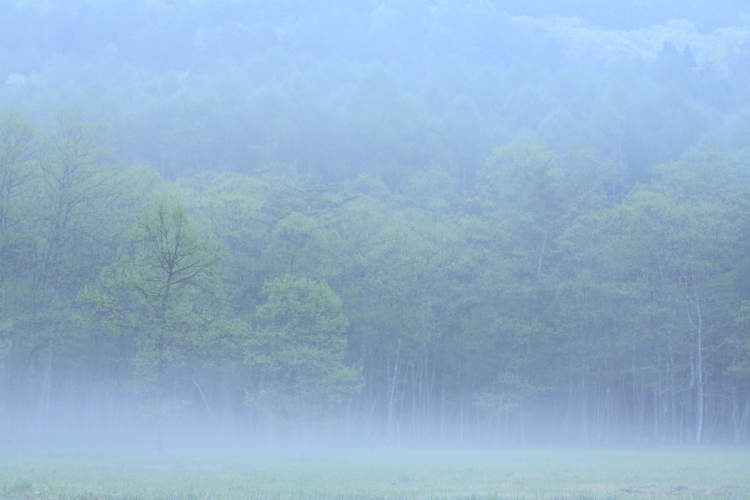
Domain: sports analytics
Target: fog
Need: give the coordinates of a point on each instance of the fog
(377, 223)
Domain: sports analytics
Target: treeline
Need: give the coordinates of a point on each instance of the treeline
(337, 89)
(546, 303)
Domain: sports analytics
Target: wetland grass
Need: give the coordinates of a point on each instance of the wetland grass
(57, 474)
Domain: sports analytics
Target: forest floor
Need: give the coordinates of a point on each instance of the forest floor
(360, 474)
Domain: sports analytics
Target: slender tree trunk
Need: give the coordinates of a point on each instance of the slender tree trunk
(442, 410)
(699, 375)
(160, 399)
(672, 390)
(697, 325)
(744, 420)
(392, 396)
(44, 401)
(584, 408)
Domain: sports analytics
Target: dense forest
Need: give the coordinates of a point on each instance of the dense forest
(382, 223)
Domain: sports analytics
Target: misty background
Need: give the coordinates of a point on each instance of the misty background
(385, 223)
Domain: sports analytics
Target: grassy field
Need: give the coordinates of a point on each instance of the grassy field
(360, 474)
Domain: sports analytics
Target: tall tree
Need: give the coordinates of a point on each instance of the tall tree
(164, 290)
(300, 349)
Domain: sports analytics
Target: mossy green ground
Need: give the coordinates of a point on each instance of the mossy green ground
(359, 474)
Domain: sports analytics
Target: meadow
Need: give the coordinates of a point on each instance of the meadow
(59, 474)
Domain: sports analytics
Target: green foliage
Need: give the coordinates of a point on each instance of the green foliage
(546, 302)
(166, 294)
(300, 348)
(18, 174)
(297, 247)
